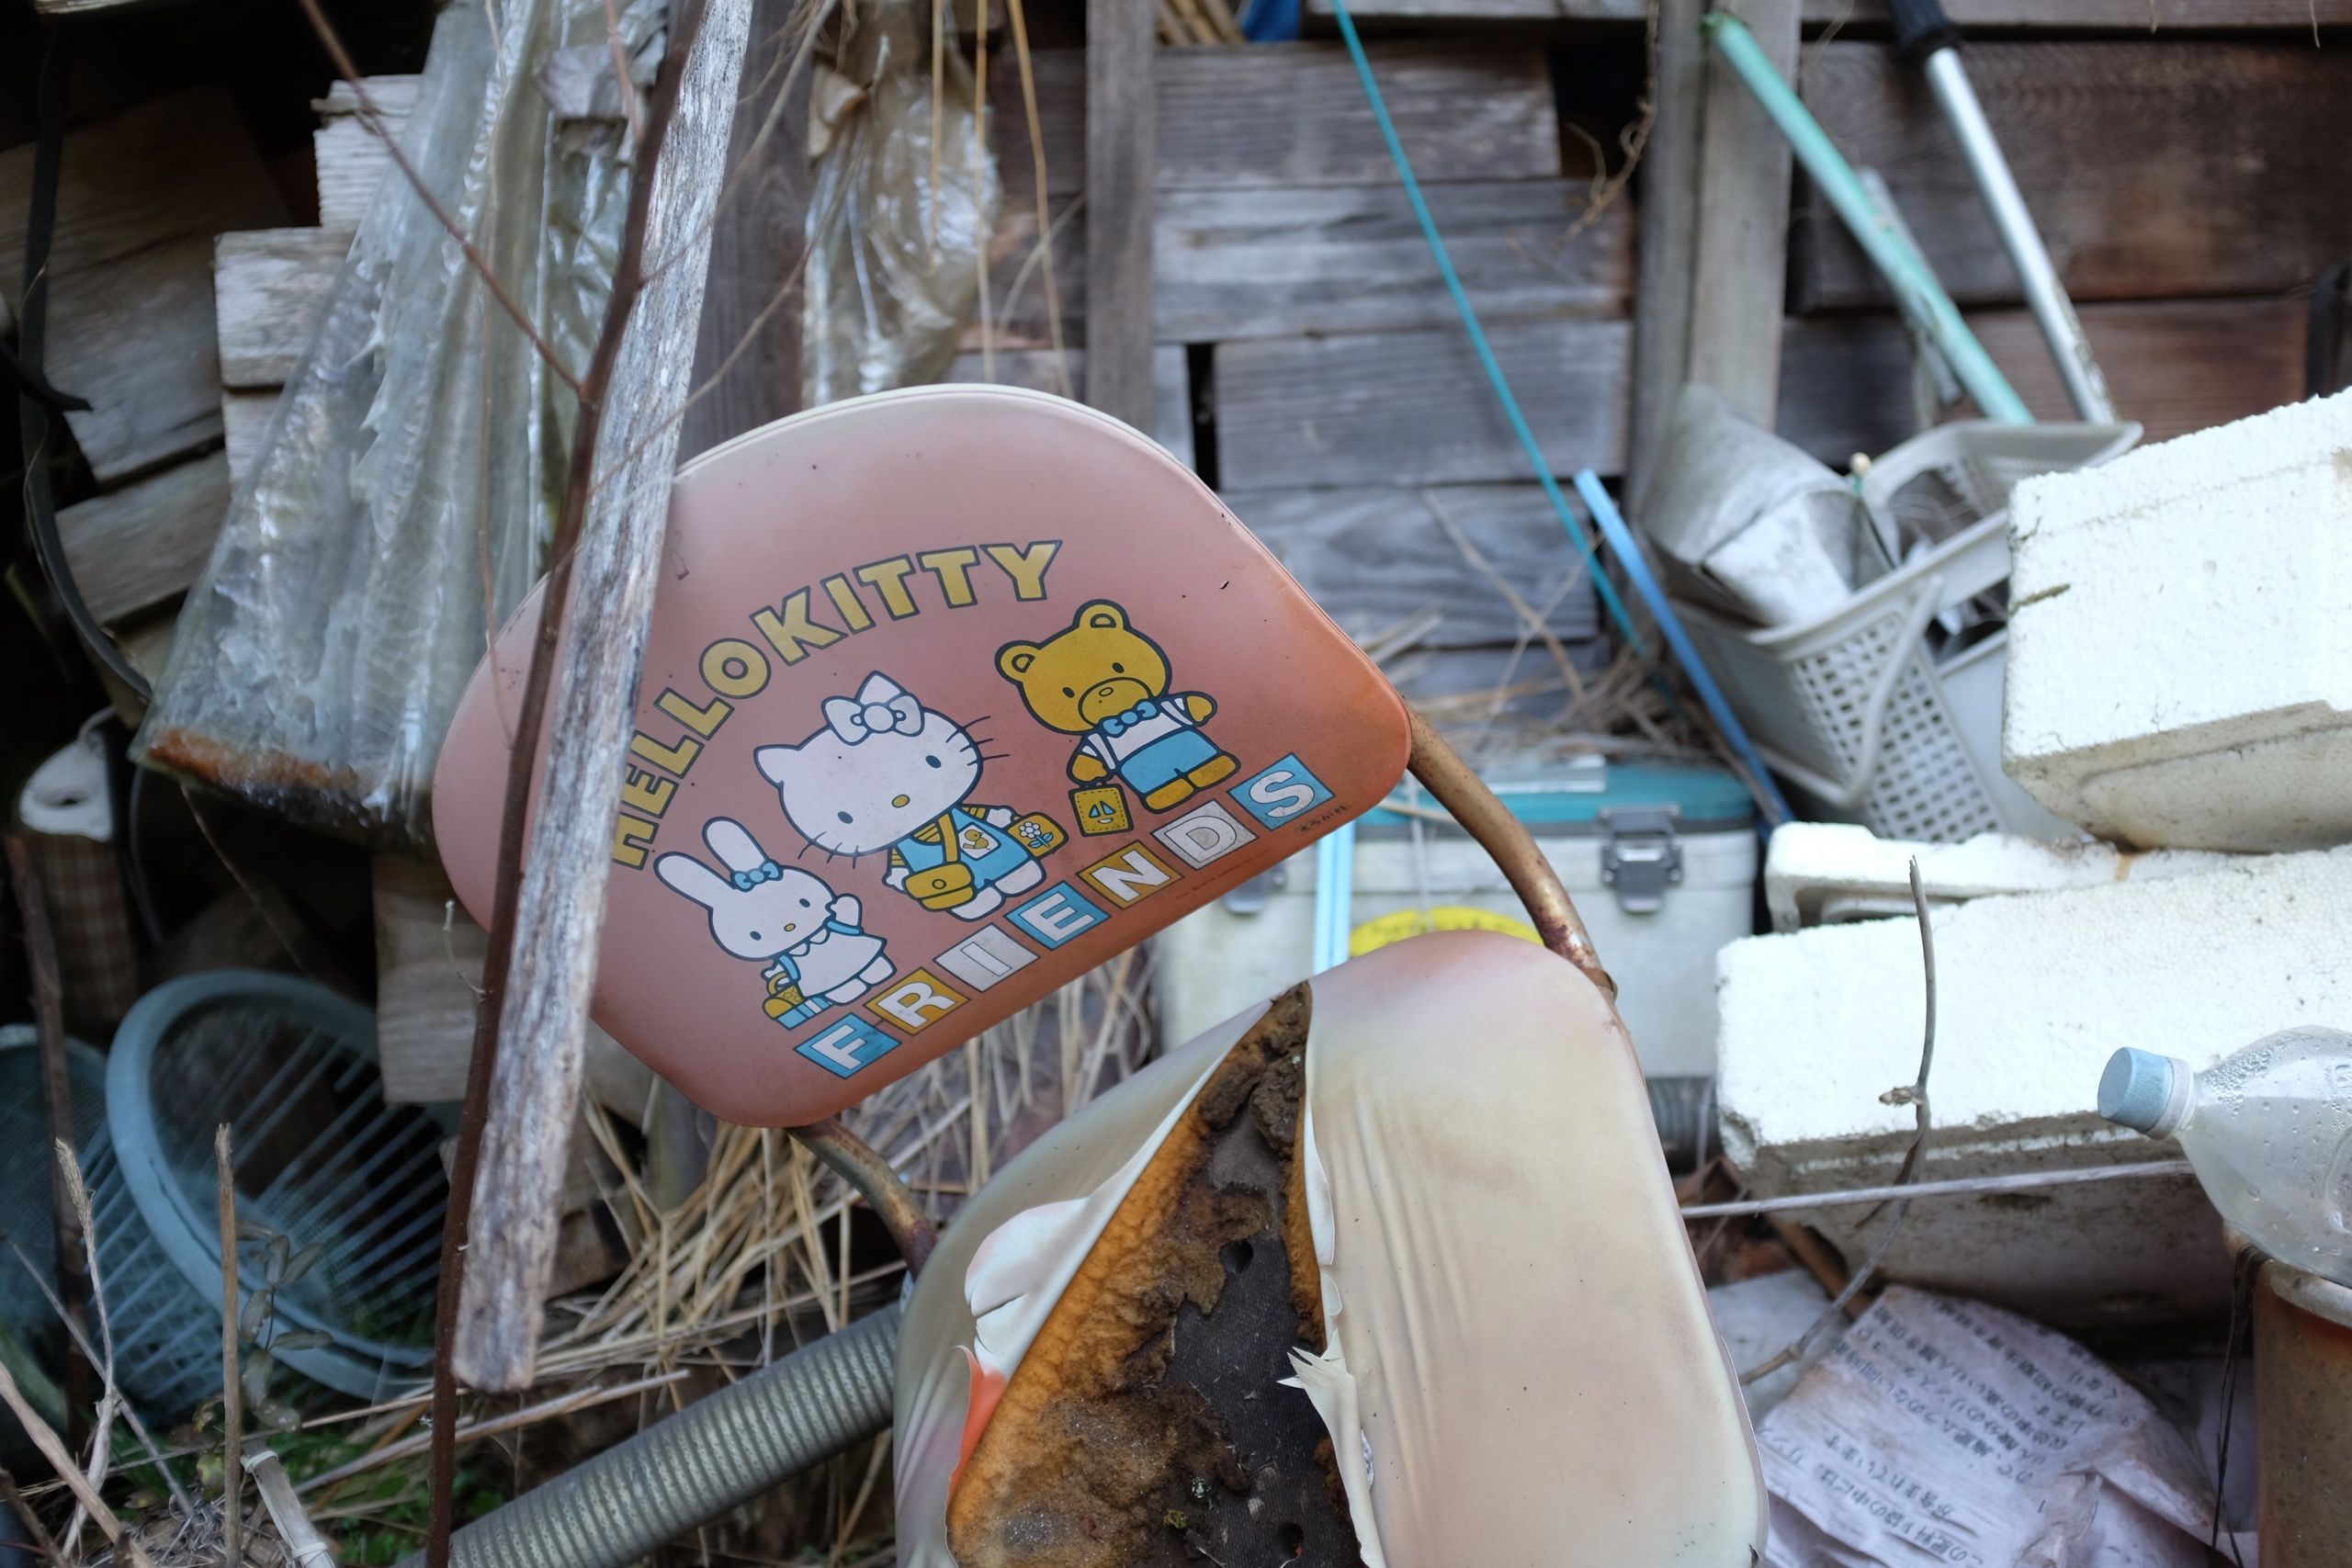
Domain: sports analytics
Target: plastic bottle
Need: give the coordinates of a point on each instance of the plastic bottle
(2269, 1130)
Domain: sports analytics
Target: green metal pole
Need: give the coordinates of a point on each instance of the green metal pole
(1906, 271)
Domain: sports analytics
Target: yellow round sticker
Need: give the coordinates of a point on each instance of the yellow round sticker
(1395, 927)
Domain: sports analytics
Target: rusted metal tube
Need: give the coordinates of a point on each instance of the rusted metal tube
(2303, 1405)
(1465, 796)
(861, 1165)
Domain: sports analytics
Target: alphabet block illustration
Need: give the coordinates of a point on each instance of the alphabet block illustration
(1101, 679)
(887, 774)
(816, 954)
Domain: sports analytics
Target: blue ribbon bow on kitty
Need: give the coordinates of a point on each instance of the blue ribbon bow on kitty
(766, 871)
(1119, 722)
(854, 720)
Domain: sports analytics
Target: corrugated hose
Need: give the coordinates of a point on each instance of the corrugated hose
(715, 1455)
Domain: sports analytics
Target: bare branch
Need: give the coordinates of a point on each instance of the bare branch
(232, 1452)
(1914, 1094)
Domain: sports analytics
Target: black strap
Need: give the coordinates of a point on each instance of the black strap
(2324, 365)
(35, 413)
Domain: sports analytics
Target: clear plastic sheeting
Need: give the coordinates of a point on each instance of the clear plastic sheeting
(402, 499)
(902, 203)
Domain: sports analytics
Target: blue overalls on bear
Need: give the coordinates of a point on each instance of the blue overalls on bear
(990, 853)
(1152, 745)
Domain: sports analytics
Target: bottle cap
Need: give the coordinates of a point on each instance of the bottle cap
(2144, 1091)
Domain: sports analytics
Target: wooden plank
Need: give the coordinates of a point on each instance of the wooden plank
(1741, 272)
(244, 420)
(544, 1007)
(2155, 169)
(351, 161)
(269, 287)
(1172, 402)
(1122, 138)
(147, 542)
(1670, 233)
(425, 974)
(1414, 408)
(1294, 114)
(178, 165)
(1374, 556)
(1280, 262)
(2176, 367)
(135, 336)
(750, 337)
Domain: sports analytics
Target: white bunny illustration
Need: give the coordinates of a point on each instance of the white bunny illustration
(816, 951)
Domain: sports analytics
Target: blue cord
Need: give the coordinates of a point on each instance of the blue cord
(1535, 457)
(1604, 512)
(1637, 570)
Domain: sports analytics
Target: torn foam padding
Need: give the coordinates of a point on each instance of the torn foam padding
(1519, 1330)
(1144, 1424)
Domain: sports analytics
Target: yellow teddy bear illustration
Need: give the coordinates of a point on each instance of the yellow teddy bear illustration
(1102, 679)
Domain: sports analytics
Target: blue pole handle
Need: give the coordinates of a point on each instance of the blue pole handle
(1905, 269)
(1669, 625)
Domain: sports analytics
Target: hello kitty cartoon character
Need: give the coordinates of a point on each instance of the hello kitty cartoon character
(886, 773)
(816, 953)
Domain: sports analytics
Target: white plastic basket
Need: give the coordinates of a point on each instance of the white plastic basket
(1853, 707)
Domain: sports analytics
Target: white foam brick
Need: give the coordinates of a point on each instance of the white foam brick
(2181, 638)
(2035, 991)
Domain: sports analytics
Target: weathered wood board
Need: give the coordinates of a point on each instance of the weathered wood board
(1171, 423)
(428, 960)
(1738, 276)
(351, 161)
(2176, 367)
(269, 287)
(1375, 556)
(140, 197)
(1122, 140)
(1283, 261)
(135, 336)
(1414, 408)
(244, 420)
(747, 352)
(147, 542)
(1294, 114)
(2155, 169)
(177, 166)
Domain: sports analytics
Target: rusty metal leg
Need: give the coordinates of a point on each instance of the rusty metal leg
(1506, 839)
(2303, 1405)
(858, 1163)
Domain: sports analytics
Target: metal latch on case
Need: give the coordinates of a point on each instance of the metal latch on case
(1642, 857)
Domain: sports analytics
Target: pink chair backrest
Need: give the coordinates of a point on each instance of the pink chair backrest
(950, 696)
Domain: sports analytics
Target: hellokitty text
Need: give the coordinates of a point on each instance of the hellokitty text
(781, 633)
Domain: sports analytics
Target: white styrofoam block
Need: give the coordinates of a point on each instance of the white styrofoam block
(1820, 873)
(2034, 991)
(2181, 638)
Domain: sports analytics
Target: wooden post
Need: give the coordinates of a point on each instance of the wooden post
(1669, 216)
(1741, 276)
(535, 1095)
(1122, 135)
(750, 311)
